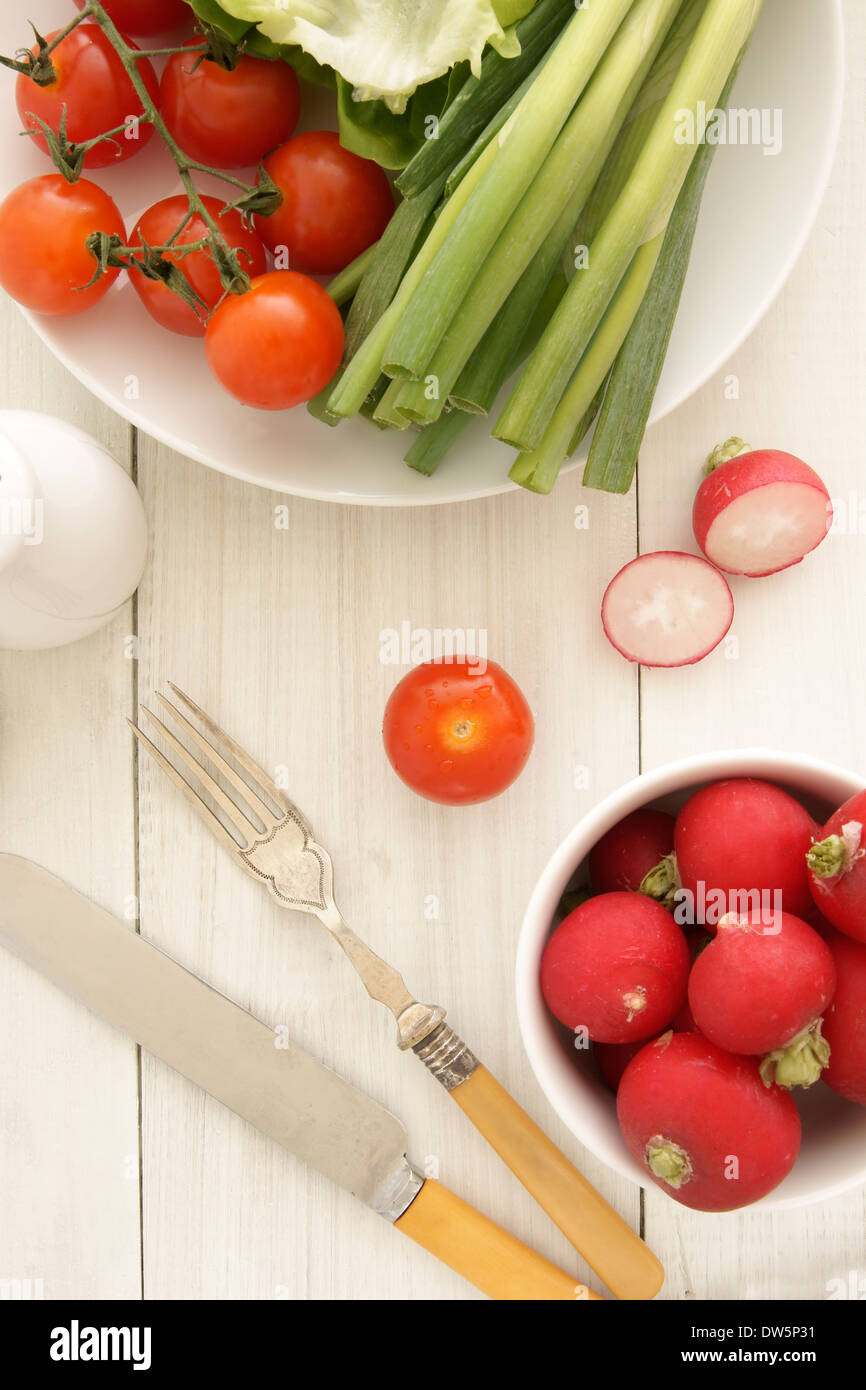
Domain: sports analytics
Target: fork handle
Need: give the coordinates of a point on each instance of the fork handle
(607, 1243)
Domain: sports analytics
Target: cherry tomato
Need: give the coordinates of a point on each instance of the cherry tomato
(277, 345)
(156, 226)
(146, 17)
(97, 93)
(228, 119)
(334, 206)
(455, 735)
(44, 260)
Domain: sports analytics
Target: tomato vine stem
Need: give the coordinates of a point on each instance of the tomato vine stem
(262, 198)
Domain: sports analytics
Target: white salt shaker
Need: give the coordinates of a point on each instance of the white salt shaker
(73, 534)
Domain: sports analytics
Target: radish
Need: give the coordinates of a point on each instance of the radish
(759, 510)
(741, 844)
(703, 1124)
(696, 940)
(617, 966)
(837, 868)
(845, 1021)
(761, 989)
(636, 854)
(613, 1058)
(667, 609)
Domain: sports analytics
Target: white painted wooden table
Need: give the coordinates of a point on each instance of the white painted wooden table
(116, 1176)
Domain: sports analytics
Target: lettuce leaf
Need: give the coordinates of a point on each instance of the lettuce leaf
(384, 49)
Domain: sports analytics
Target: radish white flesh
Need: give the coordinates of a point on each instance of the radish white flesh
(761, 512)
(667, 609)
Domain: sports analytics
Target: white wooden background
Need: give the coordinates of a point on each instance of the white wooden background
(117, 1177)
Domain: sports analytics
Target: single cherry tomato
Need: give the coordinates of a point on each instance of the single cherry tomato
(44, 260)
(228, 119)
(334, 206)
(156, 226)
(146, 17)
(277, 345)
(455, 735)
(97, 94)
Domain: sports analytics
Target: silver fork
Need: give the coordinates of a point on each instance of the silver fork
(272, 841)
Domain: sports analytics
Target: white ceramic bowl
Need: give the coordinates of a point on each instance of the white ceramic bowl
(833, 1155)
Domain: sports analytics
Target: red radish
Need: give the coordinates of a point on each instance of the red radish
(618, 966)
(845, 1021)
(667, 609)
(632, 850)
(613, 1058)
(703, 1124)
(837, 868)
(741, 844)
(759, 510)
(696, 940)
(760, 987)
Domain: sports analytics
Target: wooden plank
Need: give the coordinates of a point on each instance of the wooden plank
(792, 680)
(69, 1095)
(278, 633)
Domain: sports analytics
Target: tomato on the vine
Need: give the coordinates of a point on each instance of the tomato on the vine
(227, 118)
(335, 204)
(93, 86)
(44, 260)
(146, 17)
(277, 345)
(156, 226)
(456, 733)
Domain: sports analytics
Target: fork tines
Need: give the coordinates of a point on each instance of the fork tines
(248, 820)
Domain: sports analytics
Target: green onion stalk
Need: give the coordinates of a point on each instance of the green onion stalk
(361, 374)
(481, 98)
(613, 456)
(640, 212)
(538, 469)
(520, 146)
(553, 201)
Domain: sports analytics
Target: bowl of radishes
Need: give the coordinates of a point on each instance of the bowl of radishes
(691, 980)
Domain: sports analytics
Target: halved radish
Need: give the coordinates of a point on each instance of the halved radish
(759, 510)
(667, 608)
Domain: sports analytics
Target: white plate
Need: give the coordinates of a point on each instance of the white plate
(757, 214)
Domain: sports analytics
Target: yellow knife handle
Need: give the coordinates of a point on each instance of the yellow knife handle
(494, 1261)
(608, 1244)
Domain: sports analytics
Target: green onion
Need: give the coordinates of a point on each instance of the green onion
(493, 127)
(433, 444)
(480, 98)
(639, 122)
(386, 412)
(617, 440)
(539, 468)
(521, 146)
(554, 200)
(393, 253)
(360, 375)
(344, 286)
(521, 320)
(642, 208)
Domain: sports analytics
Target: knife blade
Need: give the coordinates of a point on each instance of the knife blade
(260, 1075)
